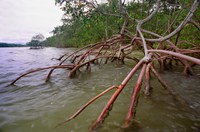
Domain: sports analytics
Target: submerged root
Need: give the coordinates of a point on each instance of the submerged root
(171, 90)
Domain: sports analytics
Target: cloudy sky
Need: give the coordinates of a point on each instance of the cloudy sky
(20, 20)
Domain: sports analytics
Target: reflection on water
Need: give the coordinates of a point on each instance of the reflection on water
(33, 105)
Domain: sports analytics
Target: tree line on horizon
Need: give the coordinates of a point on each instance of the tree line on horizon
(3, 44)
(37, 40)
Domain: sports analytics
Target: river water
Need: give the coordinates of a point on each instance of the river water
(35, 106)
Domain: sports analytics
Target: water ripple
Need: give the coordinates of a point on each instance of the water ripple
(33, 105)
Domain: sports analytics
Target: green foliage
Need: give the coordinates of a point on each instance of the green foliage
(33, 43)
(85, 23)
(84, 29)
(36, 41)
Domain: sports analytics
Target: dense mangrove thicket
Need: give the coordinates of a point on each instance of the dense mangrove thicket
(165, 31)
(85, 27)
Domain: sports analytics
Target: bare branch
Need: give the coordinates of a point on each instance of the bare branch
(180, 27)
(144, 21)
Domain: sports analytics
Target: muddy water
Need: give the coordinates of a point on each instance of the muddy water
(35, 106)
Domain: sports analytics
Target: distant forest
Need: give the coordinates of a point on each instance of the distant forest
(11, 45)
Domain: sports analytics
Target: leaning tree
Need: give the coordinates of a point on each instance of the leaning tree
(164, 48)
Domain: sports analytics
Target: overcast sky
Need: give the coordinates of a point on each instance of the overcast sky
(20, 20)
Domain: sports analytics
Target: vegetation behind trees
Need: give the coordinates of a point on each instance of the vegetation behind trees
(83, 24)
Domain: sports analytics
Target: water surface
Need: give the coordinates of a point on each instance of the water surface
(35, 106)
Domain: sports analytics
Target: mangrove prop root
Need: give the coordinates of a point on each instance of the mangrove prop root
(120, 47)
(86, 105)
(114, 96)
(185, 57)
(40, 69)
(147, 82)
(134, 97)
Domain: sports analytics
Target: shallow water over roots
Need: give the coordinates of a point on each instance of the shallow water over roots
(35, 106)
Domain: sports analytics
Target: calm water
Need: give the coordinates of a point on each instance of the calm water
(35, 106)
